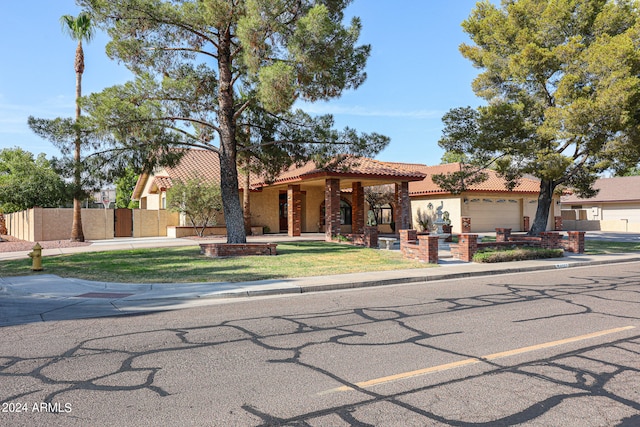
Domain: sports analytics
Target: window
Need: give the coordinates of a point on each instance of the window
(345, 213)
(384, 214)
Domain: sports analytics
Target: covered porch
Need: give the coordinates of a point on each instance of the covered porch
(331, 200)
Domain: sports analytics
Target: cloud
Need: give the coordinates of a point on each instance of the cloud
(370, 112)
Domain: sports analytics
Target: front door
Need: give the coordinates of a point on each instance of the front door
(284, 213)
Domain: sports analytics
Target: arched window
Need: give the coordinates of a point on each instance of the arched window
(345, 213)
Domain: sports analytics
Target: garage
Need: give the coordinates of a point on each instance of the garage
(487, 214)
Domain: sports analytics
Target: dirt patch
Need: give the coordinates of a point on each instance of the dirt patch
(11, 244)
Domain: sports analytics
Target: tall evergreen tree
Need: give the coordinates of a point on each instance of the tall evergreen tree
(562, 85)
(224, 75)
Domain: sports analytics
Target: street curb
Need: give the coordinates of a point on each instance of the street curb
(465, 275)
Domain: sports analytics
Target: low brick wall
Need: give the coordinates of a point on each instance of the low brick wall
(215, 250)
(186, 231)
(574, 242)
(468, 244)
(421, 247)
(368, 239)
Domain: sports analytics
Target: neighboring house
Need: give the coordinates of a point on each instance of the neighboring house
(487, 205)
(616, 207)
(296, 200)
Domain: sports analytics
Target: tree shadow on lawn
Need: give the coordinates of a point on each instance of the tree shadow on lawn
(315, 248)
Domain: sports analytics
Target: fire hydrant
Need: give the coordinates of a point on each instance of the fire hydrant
(36, 255)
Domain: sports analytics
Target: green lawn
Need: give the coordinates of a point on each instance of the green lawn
(594, 247)
(185, 264)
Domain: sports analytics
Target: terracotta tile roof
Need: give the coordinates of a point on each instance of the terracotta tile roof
(207, 164)
(351, 167)
(493, 184)
(162, 182)
(618, 189)
(203, 162)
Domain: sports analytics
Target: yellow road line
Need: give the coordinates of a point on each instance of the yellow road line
(465, 362)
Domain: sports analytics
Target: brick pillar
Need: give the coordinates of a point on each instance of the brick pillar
(332, 208)
(503, 234)
(402, 211)
(466, 224)
(357, 208)
(576, 242)
(408, 235)
(370, 237)
(467, 246)
(525, 223)
(557, 223)
(550, 240)
(294, 210)
(428, 249)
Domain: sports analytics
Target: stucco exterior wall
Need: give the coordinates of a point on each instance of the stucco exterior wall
(41, 224)
(148, 223)
(516, 206)
(264, 209)
(311, 206)
(427, 208)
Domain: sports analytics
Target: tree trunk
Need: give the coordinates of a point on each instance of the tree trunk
(228, 153)
(77, 235)
(246, 203)
(545, 198)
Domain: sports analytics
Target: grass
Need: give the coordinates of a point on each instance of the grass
(186, 265)
(595, 247)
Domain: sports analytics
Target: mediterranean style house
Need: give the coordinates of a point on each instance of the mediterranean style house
(301, 199)
(616, 207)
(482, 207)
(331, 200)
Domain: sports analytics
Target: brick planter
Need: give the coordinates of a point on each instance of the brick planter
(215, 250)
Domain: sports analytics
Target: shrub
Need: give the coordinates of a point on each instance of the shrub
(518, 254)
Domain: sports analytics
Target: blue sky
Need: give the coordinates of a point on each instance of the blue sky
(415, 73)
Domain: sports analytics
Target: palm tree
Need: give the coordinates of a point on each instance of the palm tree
(79, 28)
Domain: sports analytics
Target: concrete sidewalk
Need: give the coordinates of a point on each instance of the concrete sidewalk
(43, 297)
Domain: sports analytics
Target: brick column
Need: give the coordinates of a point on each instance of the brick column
(525, 223)
(576, 242)
(503, 234)
(370, 237)
(466, 224)
(467, 246)
(402, 211)
(557, 223)
(332, 208)
(408, 235)
(294, 210)
(357, 208)
(550, 240)
(428, 249)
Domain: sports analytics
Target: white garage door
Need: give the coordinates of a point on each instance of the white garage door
(487, 214)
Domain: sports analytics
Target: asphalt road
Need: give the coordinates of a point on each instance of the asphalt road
(556, 348)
